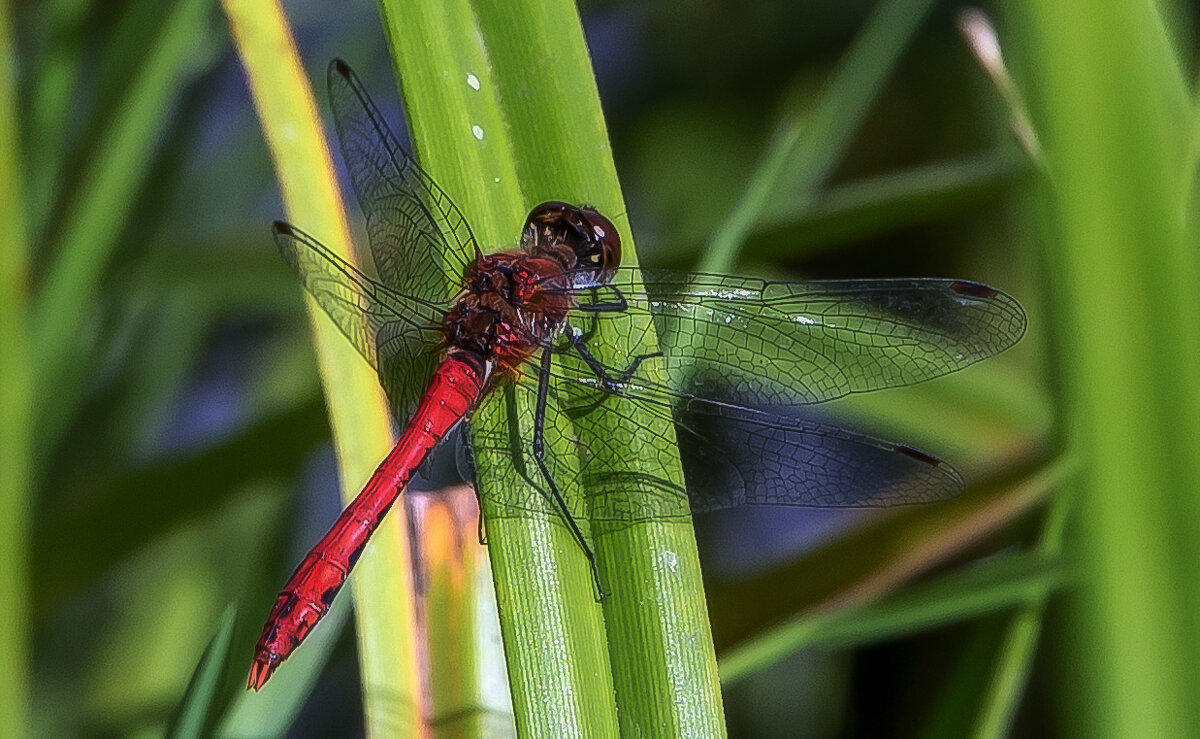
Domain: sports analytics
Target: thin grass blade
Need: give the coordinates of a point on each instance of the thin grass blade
(358, 409)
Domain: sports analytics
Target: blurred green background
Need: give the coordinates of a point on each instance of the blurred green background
(164, 451)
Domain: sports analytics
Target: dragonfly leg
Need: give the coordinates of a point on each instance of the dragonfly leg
(482, 532)
(539, 453)
(466, 468)
(611, 383)
(619, 305)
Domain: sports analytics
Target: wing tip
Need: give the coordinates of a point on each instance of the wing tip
(988, 294)
(918, 455)
(973, 289)
(943, 467)
(339, 67)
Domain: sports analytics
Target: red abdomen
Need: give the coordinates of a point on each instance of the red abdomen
(454, 388)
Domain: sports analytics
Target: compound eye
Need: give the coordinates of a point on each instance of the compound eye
(590, 237)
(545, 224)
(549, 212)
(605, 243)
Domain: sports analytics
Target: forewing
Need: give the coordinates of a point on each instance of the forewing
(766, 343)
(395, 334)
(420, 240)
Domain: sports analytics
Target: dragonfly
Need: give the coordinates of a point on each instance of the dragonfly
(724, 358)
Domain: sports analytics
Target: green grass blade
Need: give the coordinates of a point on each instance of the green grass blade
(16, 408)
(805, 148)
(196, 708)
(540, 135)
(358, 410)
(92, 222)
(872, 206)
(1017, 649)
(984, 589)
(551, 626)
(657, 602)
(52, 102)
(1112, 113)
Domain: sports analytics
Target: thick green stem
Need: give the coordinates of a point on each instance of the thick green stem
(504, 112)
(1112, 113)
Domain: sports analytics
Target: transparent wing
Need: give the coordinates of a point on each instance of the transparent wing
(738, 352)
(738, 456)
(420, 240)
(765, 343)
(732, 456)
(396, 334)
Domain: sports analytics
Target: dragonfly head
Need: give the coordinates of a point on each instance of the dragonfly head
(588, 240)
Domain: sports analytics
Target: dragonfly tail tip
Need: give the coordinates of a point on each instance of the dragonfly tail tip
(260, 672)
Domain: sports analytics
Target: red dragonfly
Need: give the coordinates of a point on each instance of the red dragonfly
(731, 353)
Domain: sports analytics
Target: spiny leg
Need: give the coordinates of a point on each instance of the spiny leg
(612, 384)
(479, 519)
(539, 453)
(619, 305)
(465, 460)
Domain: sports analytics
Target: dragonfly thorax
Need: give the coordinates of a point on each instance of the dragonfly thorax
(511, 304)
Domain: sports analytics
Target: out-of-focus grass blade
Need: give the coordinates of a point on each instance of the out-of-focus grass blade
(16, 408)
(869, 563)
(983, 41)
(102, 505)
(1014, 661)
(984, 589)
(1112, 111)
(75, 547)
(358, 409)
(92, 221)
(196, 710)
(51, 104)
(959, 689)
(868, 207)
(807, 145)
(468, 684)
(136, 44)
